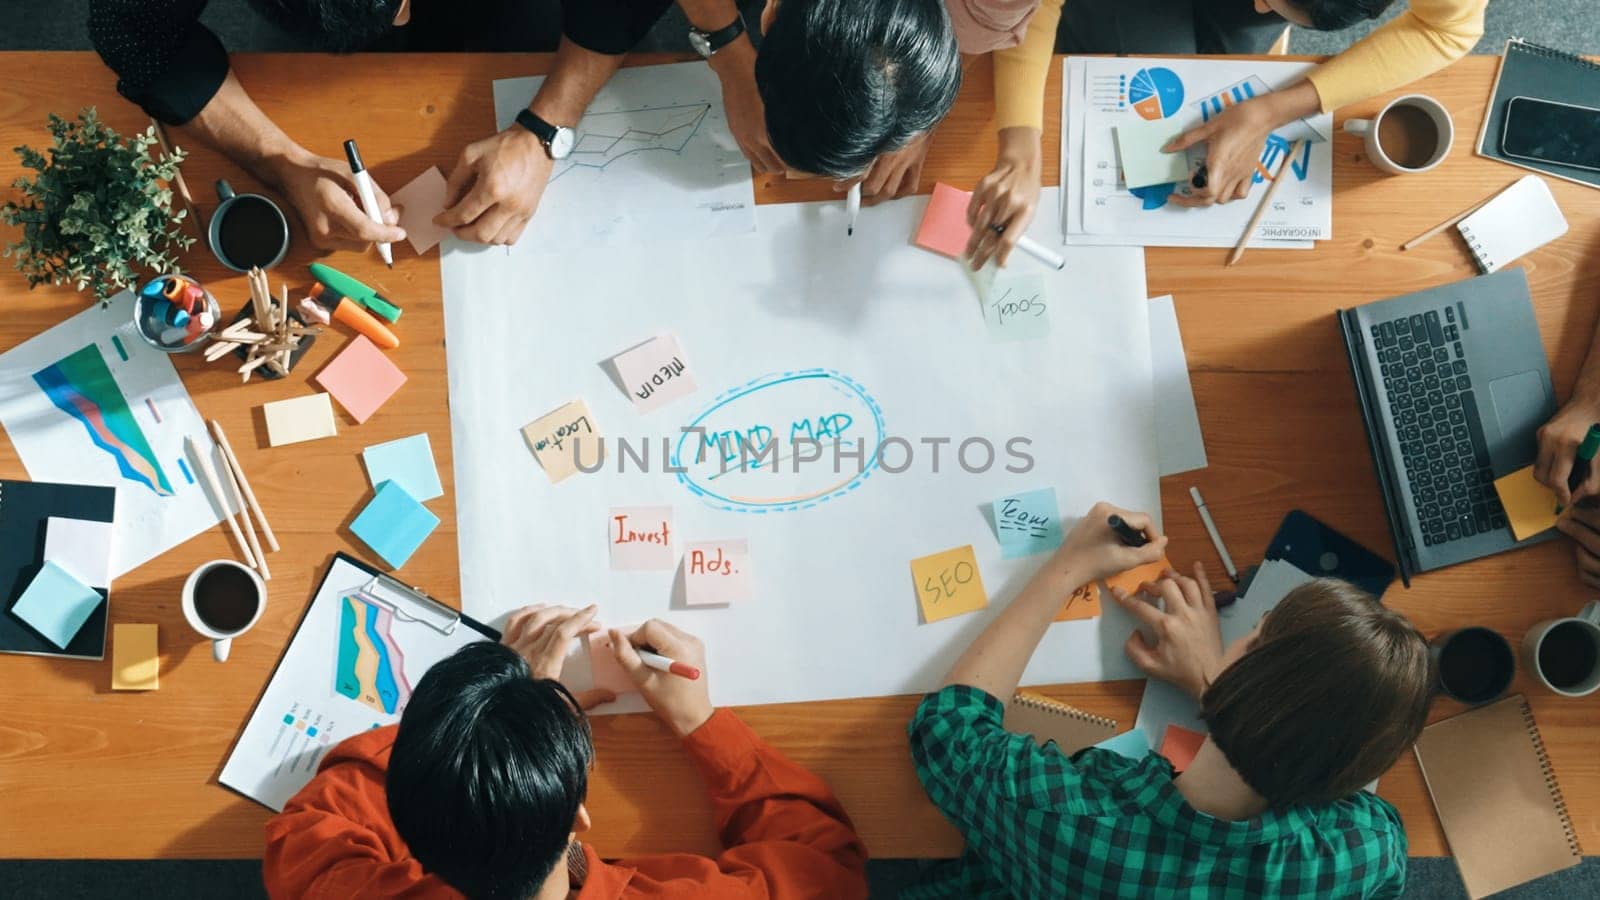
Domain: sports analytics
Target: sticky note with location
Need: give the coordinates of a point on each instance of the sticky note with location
(1027, 523)
(565, 439)
(944, 227)
(654, 373)
(608, 672)
(1139, 146)
(1530, 506)
(948, 584)
(419, 202)
(407, 462)
(716, 573)
(640, 537)
(1016, 305)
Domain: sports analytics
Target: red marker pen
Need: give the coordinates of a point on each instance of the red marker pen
(663, 664)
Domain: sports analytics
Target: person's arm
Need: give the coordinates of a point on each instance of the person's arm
(1425, 38)
(165, 60)
(735, 66)
(1559, 438)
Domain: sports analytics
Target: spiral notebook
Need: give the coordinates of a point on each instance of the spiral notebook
(26, 508)
(1497, 797)
(1529, 70)
(1048, 720)
(1520, 219)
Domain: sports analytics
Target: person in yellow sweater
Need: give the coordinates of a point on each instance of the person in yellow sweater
(826, 84)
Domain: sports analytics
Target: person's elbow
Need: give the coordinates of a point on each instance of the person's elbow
(1455, 38)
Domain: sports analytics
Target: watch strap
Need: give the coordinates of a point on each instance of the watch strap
(541, 129)
(722, 37)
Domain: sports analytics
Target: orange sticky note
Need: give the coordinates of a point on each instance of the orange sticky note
(564, 439)
(135, 664)
(944, 227)
(1179, 745)
(608, 673)
(1131, 579)
(948, 584)
(361, 378)
(1083, 604)
(1530, 506)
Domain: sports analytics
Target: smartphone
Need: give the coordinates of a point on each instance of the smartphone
(1320, 551)
(1560, 133)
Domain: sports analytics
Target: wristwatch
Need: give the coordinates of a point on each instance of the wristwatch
(558, 139)
(707, 43)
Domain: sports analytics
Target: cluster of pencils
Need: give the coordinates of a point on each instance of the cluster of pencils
(269, 331)
(239, 495)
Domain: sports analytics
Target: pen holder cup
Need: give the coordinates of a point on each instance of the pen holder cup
(175, 313)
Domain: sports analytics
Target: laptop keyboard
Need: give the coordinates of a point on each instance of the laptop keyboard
(1442, 445)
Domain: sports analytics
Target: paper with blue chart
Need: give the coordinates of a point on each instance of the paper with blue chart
(653, 160)
(88, 402)
(798, 332)
(1098, 94)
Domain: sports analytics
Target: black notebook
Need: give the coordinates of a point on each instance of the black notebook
(25, 507)
(1529, 70)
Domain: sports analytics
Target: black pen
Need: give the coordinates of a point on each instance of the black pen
(1126, 533)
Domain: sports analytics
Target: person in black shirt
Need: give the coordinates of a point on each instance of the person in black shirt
(177, 70)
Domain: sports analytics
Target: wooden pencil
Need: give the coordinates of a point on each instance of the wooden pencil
(208, 475)
(179, 183)
(1453, 220)
(1266, 201)
(237, 496)
(244, 483)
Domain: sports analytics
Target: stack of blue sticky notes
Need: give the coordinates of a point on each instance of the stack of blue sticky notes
(56, 604)
(394, 524)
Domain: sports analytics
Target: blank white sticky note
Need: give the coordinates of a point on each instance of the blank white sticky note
(1139, 146)
(81, 547)
(301, 419)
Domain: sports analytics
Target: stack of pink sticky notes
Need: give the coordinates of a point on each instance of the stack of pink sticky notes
(361, 378)
(944, 227)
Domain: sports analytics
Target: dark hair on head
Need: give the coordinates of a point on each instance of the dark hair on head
(335, 26)
(1333, 15)
(487, 773)
(1334, 689)
(846, 80)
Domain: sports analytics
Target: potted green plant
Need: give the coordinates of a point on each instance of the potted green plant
(98, 209)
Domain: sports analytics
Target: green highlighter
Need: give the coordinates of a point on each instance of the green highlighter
(1584, 461)
(357, 292)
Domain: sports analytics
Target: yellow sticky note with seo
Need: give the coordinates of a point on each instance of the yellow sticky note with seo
(948, 584)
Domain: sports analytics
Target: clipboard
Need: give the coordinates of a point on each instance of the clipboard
(363, 641)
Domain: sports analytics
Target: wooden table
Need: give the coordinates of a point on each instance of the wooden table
(85, 772)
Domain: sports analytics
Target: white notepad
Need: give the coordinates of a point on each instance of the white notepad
(1520, 219)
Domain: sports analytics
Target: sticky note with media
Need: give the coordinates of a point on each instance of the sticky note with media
(1084, 603)
(1016, 304)
(1180, 746)
(716, 573)
(944, 227)
(948, 584)
(1027, 523)
(135, 663)
(654, 373)
(1130, 580)
(640, 537)
(1139, 146)
(1530, 506)
(564, 439)
(419, 202)
(608, 672)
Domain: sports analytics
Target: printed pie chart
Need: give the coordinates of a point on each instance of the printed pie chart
(1155, 93)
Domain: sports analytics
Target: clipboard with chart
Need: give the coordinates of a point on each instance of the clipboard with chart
(363, 644)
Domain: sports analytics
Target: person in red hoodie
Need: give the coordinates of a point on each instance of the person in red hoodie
(479, 791)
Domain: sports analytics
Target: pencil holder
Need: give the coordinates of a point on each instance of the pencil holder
(175, 313)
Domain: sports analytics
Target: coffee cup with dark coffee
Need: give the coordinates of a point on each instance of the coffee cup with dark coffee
(222, 600)
(1564, 654)
(247, 230)
(1475, 665)
(1411, 134)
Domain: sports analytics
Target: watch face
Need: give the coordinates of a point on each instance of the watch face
(561, 143)
(701, 42)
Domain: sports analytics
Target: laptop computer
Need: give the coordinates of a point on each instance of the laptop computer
(1453, 386)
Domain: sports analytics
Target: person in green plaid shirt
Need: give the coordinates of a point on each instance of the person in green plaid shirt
(1321, 698)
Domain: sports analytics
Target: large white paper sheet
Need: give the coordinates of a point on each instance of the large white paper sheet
(88, 402)
(898, 334)
(1182, 447)
(653, 160)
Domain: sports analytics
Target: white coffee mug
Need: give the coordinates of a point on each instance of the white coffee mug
(1588, 622)
(1375, 152)
(221, 641)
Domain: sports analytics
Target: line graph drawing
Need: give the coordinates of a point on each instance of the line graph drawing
(605, 137)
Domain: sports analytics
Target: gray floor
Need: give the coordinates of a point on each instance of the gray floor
(58, 25)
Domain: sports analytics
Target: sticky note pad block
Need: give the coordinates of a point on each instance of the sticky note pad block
(944, 227)
(948, 584)
(407, 462)
(1130, 580)
(640, 537)
(81, 547)
(654, 373)
(1027, 523)
(608, 673)
(394, 524)
(1180, 745)
(1083, 604)
(419, 202)
(1133, 744)
(716, 573)
(135, 663)
(1016, 305)
(1530, 506)
(563, 439)
(1139, 148)
(361, 378)
(300, 419)
(56, 604)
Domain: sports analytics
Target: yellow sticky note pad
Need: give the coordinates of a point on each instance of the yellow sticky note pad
(1083, 604)
(1530, 506)
(948, 584)
(135, 663)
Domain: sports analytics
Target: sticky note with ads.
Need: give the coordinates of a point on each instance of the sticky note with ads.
(608, 673)
(1139, 146)
(361, 378)
(394, 524)
(1530, 506)
(565, 439)
(640, 537)
(944, 227)
(948, 584)
(407, 462)
(716, 573)
(654, 373)
(1027, 523)
(419, 202)
(135, 662)
(1016, 305)
(1083, 604)
(56, 604)
(1180, 745)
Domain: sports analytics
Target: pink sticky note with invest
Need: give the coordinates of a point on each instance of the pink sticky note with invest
(640, 537)
(1180, 745)
(654, 373)
(716, 572)
(944, 227)
(419, 202)
(608, 673)
(361, 378)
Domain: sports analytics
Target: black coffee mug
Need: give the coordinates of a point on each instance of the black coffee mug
(1475, 665)
(247, 230)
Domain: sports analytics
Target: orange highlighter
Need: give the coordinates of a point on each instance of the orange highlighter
(360, 320)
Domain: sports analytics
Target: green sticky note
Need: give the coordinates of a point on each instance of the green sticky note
(1139, 148)
(1016, 306)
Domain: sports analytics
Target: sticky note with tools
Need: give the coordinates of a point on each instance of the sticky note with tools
(654, 373)
(1139, 144)
(944, 227)
(1016, 305)
(394, 524)
(603, 665)
(1530, 506)
(419, 202)
(716, 573)
(407, 462)
(1180, 746)
(56, 604)
(361, 378)
(81, 547)
(640, 537)
(135, 662)
(1083, 604)
(1027, 523)
(948, 584)
(565, 439)
(300, 419)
